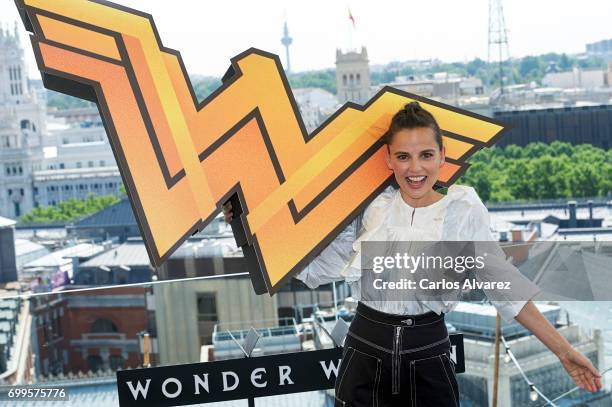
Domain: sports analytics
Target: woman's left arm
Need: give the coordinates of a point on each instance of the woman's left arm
(511, 304)
(578, 366)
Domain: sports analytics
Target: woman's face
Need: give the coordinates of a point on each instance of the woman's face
(415, 158)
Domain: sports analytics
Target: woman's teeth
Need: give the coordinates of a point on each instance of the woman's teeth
(416, 180)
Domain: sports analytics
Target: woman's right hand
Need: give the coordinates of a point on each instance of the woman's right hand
(227, 211)
(581, 370)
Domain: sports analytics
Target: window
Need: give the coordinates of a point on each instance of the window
(103, 326)
(94, 362)
(90, 164)
(207, 307)
(102, 163)
(62, 166)
(116, 362)
(79, 164)
(121, 276)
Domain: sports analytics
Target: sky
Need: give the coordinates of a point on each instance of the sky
(209, 33)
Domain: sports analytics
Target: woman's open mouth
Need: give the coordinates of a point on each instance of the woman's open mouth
(416, 182)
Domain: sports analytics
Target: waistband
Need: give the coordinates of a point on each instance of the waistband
(398, 320)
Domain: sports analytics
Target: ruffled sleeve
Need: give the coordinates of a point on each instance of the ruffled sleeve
(327, 266)
(372, 223)
(330, 264)
(474, 225)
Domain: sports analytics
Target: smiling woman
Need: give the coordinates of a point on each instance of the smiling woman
(415, 154)
(397, 352)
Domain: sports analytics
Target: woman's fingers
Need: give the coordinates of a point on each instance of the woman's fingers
(590, 374)
(583, 372)
(598, 383)
(587, 381)
(227, 211)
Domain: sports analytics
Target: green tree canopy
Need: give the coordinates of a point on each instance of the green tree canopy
(69, 210)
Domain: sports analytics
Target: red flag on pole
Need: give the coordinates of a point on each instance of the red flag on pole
(351, 18)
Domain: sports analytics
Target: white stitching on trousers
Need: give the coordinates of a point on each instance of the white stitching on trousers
(348, 364)
(449, 381)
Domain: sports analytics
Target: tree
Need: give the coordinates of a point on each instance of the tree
(549, 178)
(204, 86)
(475, 66)
(557, 148)
(60, 101)
(565, 63)
(535, 150)
(476, 176)
(584, 180)
(529, 65)
(519, 180)
(325, 79)
(69, 210)
(605, 188)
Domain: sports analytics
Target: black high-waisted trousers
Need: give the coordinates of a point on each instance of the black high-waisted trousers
(396, 360)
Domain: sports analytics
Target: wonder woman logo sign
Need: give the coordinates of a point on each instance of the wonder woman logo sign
(180, 159)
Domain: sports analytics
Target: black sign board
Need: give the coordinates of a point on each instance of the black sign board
(242, 378)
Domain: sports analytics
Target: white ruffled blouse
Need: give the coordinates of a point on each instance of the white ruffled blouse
(458, 216)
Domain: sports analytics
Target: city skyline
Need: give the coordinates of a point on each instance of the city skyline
(548, 27)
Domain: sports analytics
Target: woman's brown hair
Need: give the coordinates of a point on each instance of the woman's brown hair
(410, 117)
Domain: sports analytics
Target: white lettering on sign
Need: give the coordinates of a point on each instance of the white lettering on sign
(284, 372)
(236, 380)
(139, 389)
(179, 387)
(330, 368)
(256, 375)
(199, 382)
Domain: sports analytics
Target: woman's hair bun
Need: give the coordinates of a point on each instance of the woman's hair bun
(413, 115)
(413, 107)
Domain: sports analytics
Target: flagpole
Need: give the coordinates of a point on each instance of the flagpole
(351, 29)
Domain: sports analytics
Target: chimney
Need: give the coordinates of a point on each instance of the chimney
(517, 235)
(572, 214)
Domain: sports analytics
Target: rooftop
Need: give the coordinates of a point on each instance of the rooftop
(63, 256)
(5, 222)
(120, 214)
(131, 253)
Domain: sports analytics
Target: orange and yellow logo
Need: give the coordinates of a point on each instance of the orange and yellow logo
(180, 159)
